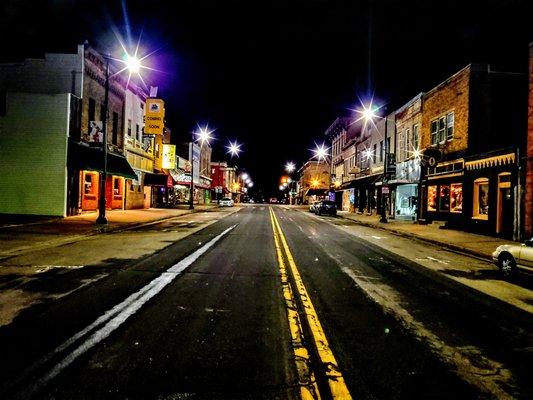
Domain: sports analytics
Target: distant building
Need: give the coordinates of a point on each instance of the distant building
(314, 181)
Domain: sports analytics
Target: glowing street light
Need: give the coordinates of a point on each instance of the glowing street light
(250, 184)
(321, 152)
(204, 135)
(290, 167)
(234, 149)
(133, 65)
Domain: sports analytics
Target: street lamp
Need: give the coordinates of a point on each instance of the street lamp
(321, 152)
(234, 149)
(133, 65)
(203, 135)
(290, 167)
(368, 114)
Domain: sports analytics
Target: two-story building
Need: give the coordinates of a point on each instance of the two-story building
(404, 186)
(471, 151)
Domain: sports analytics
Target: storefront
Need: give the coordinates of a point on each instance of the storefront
(404, 189)
(85, 162)
(477, 193)
(161, 189)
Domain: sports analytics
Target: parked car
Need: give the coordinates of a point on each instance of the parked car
(510, 257)
(273, 200)
(226, 202)
(326, 207)
(312, 206)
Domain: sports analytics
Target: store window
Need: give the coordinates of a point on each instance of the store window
(444, 198)
(116, 186)
(432, 198)
(481, 199)
(88, 184)
(456, 198)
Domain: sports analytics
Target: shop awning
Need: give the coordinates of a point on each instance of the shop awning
(82, 157)
(363, 181)
(316, 192)
(151, 179)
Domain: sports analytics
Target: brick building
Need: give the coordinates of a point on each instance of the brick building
(314, 181)
(528, 198)
(471, 147)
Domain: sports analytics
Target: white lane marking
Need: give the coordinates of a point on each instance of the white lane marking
(377, 237)
(120, 313)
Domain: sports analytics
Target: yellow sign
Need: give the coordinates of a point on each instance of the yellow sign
(169, 156)
(154, 116)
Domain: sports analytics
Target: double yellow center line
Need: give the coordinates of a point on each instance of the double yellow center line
(328, 367)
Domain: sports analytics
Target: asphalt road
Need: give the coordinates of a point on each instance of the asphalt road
(209, 316)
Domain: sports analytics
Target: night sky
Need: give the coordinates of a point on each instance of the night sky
(275, 74)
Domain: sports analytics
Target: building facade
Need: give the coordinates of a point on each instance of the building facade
(471, 150)
(314, 181)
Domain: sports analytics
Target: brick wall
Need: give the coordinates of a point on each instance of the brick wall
(451, 95)
(528, 201)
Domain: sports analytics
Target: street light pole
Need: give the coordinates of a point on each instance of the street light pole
(103, 176)
(191, 189)
(385, 170)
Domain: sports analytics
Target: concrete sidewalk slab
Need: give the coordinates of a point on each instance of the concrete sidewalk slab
(465, 242)
(16, 239)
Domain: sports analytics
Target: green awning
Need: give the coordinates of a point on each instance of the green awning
(83, 157)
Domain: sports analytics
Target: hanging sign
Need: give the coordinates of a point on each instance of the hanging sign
(154, 116)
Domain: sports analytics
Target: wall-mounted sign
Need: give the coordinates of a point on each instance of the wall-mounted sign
(154, 116)
(169, 156)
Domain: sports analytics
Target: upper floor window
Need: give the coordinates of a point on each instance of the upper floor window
(374, 154)
(442, 128)
(381, 151)
(415, 137)
(129, 127)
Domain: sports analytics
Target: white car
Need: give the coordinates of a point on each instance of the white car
(226, 202)
(312, 206)
(509, 257)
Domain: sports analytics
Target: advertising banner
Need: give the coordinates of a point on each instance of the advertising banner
(154, 116)
(169, 156)
(194, 156)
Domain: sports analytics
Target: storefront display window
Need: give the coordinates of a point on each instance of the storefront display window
(481, 199)
(444, 198)
(456, 198)
(432, 198)
(88, 187)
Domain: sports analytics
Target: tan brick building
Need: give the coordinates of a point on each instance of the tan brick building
(528, 198)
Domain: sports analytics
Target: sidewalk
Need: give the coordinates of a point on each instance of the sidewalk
(465, 242)
(17, 236)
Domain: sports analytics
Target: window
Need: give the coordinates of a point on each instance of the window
(88, 187)
(129, 127)
(374, 153)
(456, 198)
(401, 148)
(407, 139)
(115, 128)
(381, 151)
(92, 108)
(102, 113)
(481, 199)
(444, 198)
(137, 132)
(432, 198)
(3, 104)
(415, 137)
(434, 129)
(116, 186)
(442, 129)
(450, 120)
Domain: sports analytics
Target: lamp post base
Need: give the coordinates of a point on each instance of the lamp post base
(101, 220)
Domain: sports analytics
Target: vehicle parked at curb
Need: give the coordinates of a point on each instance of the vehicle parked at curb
(510, 257)
(312, 206)
(226, 202)
(327, 207)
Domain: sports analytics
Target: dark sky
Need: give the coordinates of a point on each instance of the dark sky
(274, 74)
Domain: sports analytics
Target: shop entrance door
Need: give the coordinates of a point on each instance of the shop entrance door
(504, 223)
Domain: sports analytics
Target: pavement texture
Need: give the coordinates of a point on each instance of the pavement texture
(194, 307)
